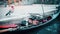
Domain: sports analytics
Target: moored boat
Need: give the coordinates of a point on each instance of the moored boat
(33, 20)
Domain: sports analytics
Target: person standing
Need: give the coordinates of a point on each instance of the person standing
(11, 10)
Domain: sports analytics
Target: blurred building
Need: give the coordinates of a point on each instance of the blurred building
(31, 1)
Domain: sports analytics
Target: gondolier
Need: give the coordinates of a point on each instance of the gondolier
(10, 11)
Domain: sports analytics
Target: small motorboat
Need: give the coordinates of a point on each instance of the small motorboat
(32, 21)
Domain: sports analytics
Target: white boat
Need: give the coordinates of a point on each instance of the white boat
(25, 12)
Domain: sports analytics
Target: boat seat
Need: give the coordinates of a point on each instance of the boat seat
(8, 26)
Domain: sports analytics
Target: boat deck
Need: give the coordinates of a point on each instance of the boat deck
(25, 10)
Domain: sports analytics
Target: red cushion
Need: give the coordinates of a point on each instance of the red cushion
(8, 26)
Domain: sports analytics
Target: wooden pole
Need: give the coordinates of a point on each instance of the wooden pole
(15, 1)
(9, 1)
(18, 2)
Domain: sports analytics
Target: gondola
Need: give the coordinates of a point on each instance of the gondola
(42, 20)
